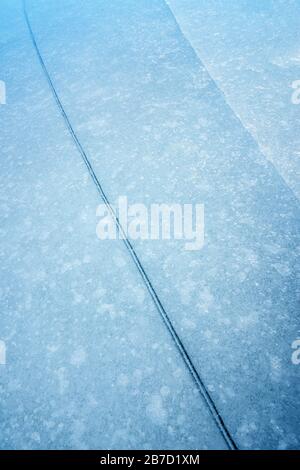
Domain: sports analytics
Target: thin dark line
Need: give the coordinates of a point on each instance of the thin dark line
(184, 354)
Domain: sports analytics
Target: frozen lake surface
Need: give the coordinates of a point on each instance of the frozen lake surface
(169, 107)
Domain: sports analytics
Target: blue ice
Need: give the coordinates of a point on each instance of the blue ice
(89, 362)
